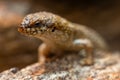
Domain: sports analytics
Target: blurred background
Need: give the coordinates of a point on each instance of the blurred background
(17, 50)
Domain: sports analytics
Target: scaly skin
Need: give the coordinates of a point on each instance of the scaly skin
(59, 36)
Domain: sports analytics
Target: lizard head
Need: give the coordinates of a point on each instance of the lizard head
(45, 25)
(38, 23)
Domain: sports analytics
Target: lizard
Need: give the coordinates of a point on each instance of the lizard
(60, 35)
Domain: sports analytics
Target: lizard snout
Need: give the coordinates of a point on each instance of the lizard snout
(21, 29)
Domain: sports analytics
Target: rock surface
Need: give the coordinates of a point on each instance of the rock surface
(106, 67)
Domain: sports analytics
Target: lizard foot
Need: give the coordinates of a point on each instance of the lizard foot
(86, 62)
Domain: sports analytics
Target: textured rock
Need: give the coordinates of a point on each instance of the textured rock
(106, 67)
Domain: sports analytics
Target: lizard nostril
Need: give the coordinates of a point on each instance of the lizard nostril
(20, 29)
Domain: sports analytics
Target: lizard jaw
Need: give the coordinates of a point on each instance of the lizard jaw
(30, 31)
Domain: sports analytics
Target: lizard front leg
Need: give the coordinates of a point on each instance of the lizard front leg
(88, 47)
(43, 52)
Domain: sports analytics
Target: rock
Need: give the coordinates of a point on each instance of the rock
(106, 67)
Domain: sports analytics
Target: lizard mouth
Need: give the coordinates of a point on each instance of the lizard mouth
(30, 31)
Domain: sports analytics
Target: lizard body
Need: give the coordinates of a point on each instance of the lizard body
(60, 35)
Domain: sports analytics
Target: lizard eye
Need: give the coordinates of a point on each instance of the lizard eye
(37, 24)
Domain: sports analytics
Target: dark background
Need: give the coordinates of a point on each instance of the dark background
(17, 50)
